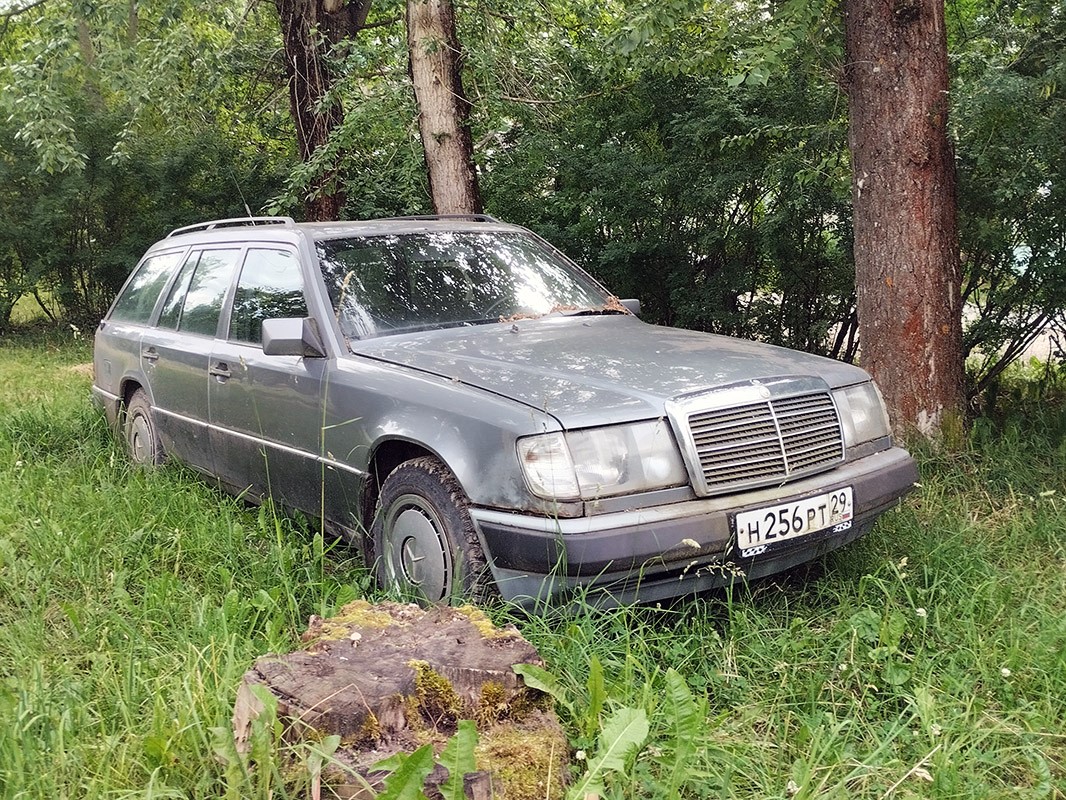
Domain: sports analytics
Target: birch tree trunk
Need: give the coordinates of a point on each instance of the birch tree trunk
(906, 230)
(443, 110)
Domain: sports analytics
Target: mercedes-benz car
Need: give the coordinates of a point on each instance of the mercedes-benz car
(481, 416)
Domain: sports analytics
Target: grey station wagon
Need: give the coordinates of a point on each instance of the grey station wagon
(481, 415)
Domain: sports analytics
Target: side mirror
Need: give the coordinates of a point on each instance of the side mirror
(292, 336)
(633, 306)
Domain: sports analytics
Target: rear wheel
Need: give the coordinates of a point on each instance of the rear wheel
(142, 440)
(424, 540)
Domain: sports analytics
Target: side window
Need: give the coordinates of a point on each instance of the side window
(138, 298)
(195, 302)
(171, 313)
(270, 286)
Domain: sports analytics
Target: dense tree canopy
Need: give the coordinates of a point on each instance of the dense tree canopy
(693, 154)
(117, 124)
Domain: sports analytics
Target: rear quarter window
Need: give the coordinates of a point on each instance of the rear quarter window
(139, 297)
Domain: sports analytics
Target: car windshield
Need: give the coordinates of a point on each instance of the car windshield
(381, 285)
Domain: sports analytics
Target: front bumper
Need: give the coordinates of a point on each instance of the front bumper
(654, 553)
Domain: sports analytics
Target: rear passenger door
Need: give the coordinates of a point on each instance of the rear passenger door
(175, 353)
(117, 352)
(266, 411)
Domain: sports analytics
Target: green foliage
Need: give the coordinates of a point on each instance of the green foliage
(543, 681)
(375, 156)
(255, 770)
(722, 210)
(1009, 117)
(683, 716)
(458, 758)
(76, 235)
(691, 154)
(407, 774)
(624, 732)
(700, 162)
(101, 154)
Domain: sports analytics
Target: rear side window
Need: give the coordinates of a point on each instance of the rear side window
(195, 301)
(139, 297)
(270, 286)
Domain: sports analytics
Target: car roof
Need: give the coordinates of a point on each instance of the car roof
(280, 229)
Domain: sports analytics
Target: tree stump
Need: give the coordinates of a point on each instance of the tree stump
(389, 678)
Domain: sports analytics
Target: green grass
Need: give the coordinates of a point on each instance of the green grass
(927, 660)
(131, 602)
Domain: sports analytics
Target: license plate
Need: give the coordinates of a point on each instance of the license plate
(762, 528)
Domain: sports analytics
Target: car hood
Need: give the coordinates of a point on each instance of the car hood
(596, 370)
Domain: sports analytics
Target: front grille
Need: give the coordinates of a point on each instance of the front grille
(770, 440)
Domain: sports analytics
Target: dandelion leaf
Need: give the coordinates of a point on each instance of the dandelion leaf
(458, 758)
(625, 731)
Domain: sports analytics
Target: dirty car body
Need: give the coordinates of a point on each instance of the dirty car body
(480, 414)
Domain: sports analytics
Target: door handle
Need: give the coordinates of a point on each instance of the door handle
(219, 369)
(150, 354)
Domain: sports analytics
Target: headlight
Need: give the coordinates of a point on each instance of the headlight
(862, 413)
(548, 467)
(602, 462)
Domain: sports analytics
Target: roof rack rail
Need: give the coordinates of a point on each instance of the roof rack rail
(234, 222)
(430, 217)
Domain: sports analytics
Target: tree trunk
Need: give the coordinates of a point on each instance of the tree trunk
(88, 57)
(309, 28)
(443, 110)
(133, 22)
(903, 187)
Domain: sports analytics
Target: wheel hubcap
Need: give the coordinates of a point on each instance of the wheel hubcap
(140, 439)
(415, 548)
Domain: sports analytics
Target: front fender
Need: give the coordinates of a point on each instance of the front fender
(472, 431)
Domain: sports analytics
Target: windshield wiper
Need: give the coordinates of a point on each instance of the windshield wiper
(592, 312)
(613, 306)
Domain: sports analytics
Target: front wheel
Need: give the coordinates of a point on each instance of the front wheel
(424, 540)
(142, 439)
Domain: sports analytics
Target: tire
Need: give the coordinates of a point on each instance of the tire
(423, 539)
(142, 439)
